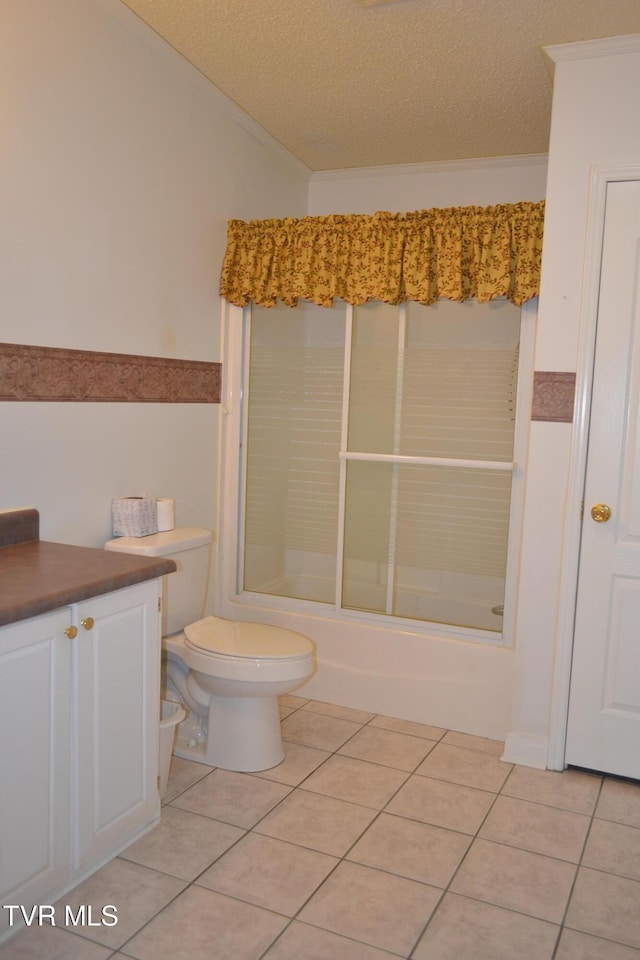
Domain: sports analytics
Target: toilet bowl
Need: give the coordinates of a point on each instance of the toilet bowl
(230, 674)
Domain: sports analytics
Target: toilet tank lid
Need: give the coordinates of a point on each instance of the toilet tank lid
(162, 544)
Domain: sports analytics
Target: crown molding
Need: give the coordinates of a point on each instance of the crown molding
(587, 49)
(436, 166)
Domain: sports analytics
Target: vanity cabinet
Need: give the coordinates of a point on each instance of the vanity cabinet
(79, 709)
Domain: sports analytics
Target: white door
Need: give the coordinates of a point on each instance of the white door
(604, 703)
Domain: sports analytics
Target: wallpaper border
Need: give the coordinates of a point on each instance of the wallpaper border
(57, 374)
(553, 396)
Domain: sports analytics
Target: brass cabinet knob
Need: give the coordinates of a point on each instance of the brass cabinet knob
(71, 632)
(88, 623)
(600, 512)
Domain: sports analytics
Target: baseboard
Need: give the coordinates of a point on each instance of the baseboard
(526, 749)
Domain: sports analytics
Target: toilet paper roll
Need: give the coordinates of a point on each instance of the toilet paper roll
(166, 513)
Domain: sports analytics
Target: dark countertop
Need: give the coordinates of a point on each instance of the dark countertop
(37, 576)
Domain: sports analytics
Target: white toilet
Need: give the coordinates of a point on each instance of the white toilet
(227, 673)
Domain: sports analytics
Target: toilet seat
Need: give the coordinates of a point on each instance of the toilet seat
(235, 639)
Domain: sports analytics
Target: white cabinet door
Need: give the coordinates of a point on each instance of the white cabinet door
(604, 705)
(116, 680)
(35, 751)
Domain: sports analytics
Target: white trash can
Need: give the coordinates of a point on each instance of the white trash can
(171, 714)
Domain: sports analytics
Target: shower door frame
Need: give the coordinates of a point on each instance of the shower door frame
(231, 494)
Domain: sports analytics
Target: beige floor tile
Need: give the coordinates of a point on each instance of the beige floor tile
(292, 700)
(377, 908)
(182, 775)
(202, 925)
(410, 727)
(387, 747)
(527, 882)
(606, 906)
(410, 849)
(136, 892)
(494, 748)
(317, 730)
(236, 798)
(355, 781)
(404, 837)
(448, 805)
(536, 827)
(36, 943)
(620, 801)
(318, 822)
(334, 710)
(463, 929)
(472, 768)
(615, 848)
(302, 942)
(568, 789)
(269, 873)
(582, 946)
(184, 844)
(299, 761)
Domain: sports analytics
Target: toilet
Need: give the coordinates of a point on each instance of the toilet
(228, 674)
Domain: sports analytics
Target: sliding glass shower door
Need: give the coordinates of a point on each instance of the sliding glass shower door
(378, 455)
(293, 389)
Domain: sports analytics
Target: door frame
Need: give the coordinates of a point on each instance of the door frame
(600, 177)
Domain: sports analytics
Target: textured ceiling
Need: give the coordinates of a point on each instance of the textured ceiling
(341, 83)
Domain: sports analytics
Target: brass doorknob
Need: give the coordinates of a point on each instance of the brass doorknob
(71, 632)
(87, 623)
(600, 512)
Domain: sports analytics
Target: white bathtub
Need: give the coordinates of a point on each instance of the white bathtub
(432, 673)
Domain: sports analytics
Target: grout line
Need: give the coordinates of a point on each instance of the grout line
(578, 865)
(447, 889)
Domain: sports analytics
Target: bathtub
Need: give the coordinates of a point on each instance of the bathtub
(428, 672)
(412, 603)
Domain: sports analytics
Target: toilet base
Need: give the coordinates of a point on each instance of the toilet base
(243, 735)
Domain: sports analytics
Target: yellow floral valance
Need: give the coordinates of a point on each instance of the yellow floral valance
(455, 253)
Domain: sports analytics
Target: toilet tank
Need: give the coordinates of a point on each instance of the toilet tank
(183, 592)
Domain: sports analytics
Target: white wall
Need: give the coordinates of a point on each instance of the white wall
(423, 186)
(595, 102)
(120, 166)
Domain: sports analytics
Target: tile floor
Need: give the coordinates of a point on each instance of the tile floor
(375, 838)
